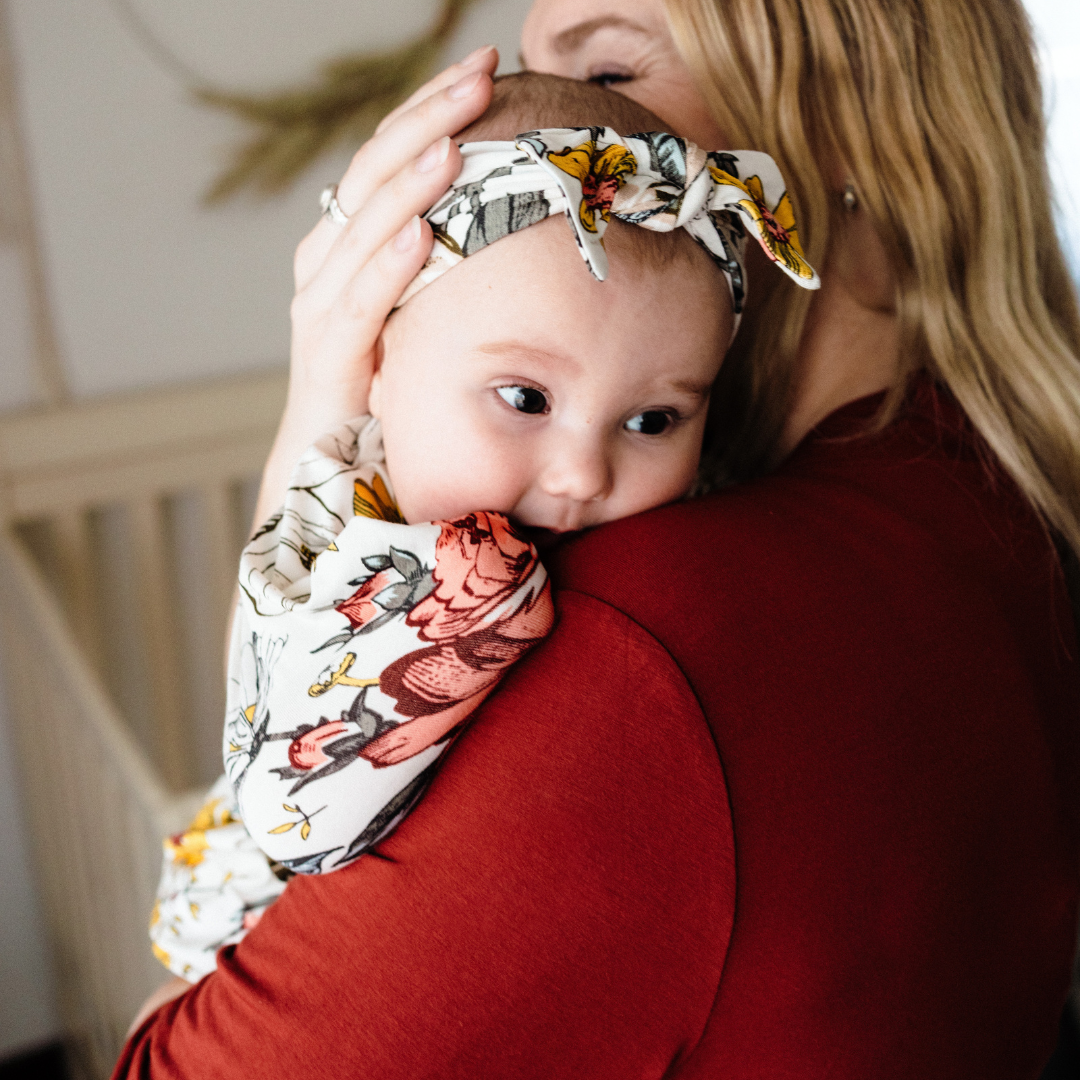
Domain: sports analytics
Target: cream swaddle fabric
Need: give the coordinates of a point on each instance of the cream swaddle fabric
(360, 645)
(215, 883)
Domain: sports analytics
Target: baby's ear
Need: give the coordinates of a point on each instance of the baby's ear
(375, 390)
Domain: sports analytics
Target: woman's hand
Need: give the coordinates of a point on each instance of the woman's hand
(348, 278)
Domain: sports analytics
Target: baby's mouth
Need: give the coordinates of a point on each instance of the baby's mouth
(543, 538)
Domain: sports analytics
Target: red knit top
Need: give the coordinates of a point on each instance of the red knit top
(790, 792)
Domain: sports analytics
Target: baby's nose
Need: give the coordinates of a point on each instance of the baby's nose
(577, 468)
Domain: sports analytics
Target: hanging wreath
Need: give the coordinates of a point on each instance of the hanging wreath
(295, 127)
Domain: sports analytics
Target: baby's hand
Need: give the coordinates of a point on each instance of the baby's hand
(348, 278)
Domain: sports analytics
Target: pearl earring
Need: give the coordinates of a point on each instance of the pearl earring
(851, 200)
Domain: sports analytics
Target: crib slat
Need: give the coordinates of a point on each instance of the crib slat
(73, 541)
(153, 586)
(95, 805)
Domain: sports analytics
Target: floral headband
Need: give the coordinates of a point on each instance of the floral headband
(654, 180)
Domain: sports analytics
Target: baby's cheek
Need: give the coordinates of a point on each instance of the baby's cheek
(423, 493)
(446, 484)
(664, 479)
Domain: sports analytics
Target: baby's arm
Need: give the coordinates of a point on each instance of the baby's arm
(361, 644)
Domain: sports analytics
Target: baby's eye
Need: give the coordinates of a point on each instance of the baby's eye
(526, 399)
(650, 422)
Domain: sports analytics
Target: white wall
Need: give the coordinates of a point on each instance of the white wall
(148, 286)
(18, 387)
(1057, 24)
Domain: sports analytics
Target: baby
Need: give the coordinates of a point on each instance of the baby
(381, 606)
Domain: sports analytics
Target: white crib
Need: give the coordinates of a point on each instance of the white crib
(112, 650)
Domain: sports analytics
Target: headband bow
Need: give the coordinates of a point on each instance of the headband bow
(654, 180)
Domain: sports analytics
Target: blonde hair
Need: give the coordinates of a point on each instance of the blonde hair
(935, 109)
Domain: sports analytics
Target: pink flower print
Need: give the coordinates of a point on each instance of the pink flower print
(306, 751)
(360, 608)
(480, 563)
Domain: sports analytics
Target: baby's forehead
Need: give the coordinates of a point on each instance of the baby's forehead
(531, 298)
(649, 320)
(544, 260)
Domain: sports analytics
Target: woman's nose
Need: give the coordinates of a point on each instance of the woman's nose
(578, 469)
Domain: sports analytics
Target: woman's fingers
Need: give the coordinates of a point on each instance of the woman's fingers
(443, 110)
(334, 334)
(354, 321)
(348, 279)
(384, 156)
(442, 113)
(485, 59)
(324, 263)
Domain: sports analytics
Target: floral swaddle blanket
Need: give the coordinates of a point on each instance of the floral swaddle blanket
(360, 646)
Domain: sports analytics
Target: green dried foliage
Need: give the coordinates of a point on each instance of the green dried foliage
(297, 126)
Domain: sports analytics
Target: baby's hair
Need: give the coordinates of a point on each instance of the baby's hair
(527, 101)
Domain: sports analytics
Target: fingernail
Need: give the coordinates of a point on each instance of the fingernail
(408, 235)
(434, 155)
(465, 85)
(476, 54)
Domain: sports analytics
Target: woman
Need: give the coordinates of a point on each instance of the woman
(816, 818)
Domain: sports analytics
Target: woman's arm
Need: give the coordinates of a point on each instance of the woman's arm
(347, 279)
(559, 905)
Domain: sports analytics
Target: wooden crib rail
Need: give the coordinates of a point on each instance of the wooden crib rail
(96, 811)
(94, 492)
(103, 509)
(140, 444)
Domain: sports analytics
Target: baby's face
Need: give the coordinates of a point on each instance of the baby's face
(519, 383)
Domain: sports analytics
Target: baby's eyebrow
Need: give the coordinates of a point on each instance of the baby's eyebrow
(691, 386)
(521, 350)
(573, 37)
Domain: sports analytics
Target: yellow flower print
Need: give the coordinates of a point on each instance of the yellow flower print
(186, 848)
(374, 501)
(600, 172)
(304, 821)
(210, 817)
(775, 228)
(340, 677)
